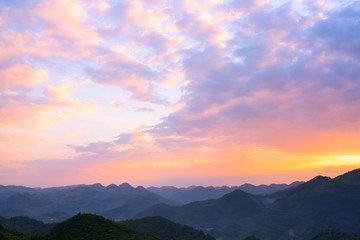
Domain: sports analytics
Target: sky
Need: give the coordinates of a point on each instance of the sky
(171, 92)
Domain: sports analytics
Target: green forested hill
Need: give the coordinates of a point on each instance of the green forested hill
(93, 227)
(321, 203)
(165, 229)
(7, 235)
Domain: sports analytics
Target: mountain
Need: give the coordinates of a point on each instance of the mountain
(199, 193)
(232, 207)
(58, 204)
(268, 189)
(321, 203)
(165, 229)
(7, 191)
(301, 212)
(94, 227)
(117, 202)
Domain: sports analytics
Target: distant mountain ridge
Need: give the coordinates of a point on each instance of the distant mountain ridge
(58, 204)
(200, 193)
(117, 202)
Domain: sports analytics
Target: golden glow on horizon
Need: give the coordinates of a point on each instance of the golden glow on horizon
(347, 160)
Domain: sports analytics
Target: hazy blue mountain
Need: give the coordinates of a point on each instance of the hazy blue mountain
(57, 204)
(199, 193)
(11, 212)
(230, 208)
(7, 191)
(268, 189)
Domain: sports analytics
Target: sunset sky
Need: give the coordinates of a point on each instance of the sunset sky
(156, 92)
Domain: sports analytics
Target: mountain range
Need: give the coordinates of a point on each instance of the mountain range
(116, 202)
(200, 193)
(297, 211)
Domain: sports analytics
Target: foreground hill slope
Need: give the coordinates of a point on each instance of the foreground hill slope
(321, 203)
(93, 227)
(165, 229)
(7, 235)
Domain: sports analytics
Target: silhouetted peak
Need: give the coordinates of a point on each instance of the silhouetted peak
(141, 188)
(235, 194)
(320, 179)
(247, 185)
(125, 186)
(313, 183)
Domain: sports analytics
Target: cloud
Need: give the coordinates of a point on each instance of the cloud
(97, 147)
(202, 27)
(100, 5)
(68, 20)
(275, 93)
(263, 85)
(21, 76)
(28, 110)
(123, 70)
(339, 31)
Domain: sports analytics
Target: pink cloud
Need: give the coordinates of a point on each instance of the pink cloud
(202, 27)
(100, 5)
(21, 76)
(138, 15)
(68, 20)
(27, 110)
